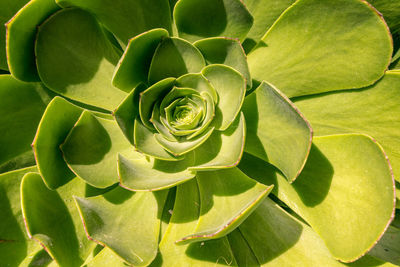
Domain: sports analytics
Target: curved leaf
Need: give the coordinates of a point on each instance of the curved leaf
(315, 45)
(75, 59)
(277, 132)
(198, 82)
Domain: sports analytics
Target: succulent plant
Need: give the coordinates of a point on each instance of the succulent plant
(199, 133)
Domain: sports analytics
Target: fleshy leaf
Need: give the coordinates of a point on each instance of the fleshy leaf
(374, 111)
(146, 143)
(126, 222)
(21, 34)
(127, 111)
(75, 59)
(231, 88)
(388, 248)
(244, 255)
(91, 149)
(134, 65)
(222, 50)
(7, 11)
(57, 121)
(277, 132)
(52, 219)
(106, 258)
(22, 105)
(173, 58)
(314, 47)
(140, 173)
(198, 82)
(227, 198)
(197, 19)
(222, 149)
(15, 245)
(345, 178)
(126, 18)
(183, 222)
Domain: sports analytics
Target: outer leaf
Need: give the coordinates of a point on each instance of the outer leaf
(227, 198)
(243, 253)
(106, 258)
(126, 222)
(373, 111)
(15, 245)
(231, 89)
(21, 34)
(277, 132)
(57, 121)
(197, 19)
(314, 39)
(72, 40)
(345, 178)
(138, 173)
(222, 50)
(183, 222)
(173, 58)
(127, 18)
(388, 248)
(91, 149)
(134, 65)
(222, 149)
(52, 219)
(7, 10)
(22, 105)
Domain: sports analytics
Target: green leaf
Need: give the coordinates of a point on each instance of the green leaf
(15, 245)
(373, 111)
(22, 105)
(227, 51)
(183, 222)
(127, 111)
(21, 35)
(52, 219)
(75, 59)
(126, 222)
(197, 19)
(91, 149)
(265, 13)
(146, 143)
(231, 89)
(57, 121)
(345, 178)
(276, 130)
(139, 173)
(106, 258)
(388, 248)
(222, 149)
(314, 47)
(7, 11)
(26, 159)
(173, 58)
(134, 65)
(243, 253)
(227, 198)
(198, 82)
(126, 19)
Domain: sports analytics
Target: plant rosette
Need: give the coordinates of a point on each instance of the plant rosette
(199, 133)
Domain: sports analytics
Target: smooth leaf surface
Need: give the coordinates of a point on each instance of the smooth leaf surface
(197, 82)
(227, 51)
(57, 121)
(231, 89)
(126, 19)
(183, 222)
(21, 35)
(276, 130)
(315, 45)
(345, 178)
(227, 198)
(52, 219)
(373, 111)
(173, 58)
(134, 64)
(197, 19)
(244, 255)
(126, 222)
(91, 149)
(388, 248)
(75, 59)
(106, 258)
(222, 149)
(139, 173)
(22, 105)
